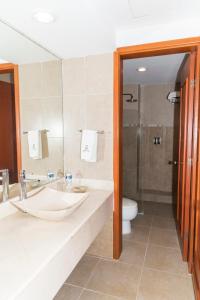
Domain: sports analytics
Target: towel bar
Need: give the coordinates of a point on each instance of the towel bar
(44, 130)
(98, 131)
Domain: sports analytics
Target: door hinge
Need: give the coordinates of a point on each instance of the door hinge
(192, 83)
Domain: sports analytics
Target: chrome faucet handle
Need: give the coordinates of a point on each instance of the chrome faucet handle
(22, 174)
(22, 181)
(5, 183)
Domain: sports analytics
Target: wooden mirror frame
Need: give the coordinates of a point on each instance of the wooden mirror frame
(12, 68)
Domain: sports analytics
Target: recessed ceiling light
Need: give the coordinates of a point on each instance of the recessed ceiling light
(141, 69)
(43, 17)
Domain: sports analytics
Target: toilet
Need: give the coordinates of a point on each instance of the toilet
(129, 212)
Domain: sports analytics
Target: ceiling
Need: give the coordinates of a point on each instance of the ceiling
(84, 27)
(160, 69)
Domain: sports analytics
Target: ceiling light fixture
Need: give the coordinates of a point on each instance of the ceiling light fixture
(141, 69)
(43, 17)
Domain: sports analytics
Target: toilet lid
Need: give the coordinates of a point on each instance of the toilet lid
(129, 202)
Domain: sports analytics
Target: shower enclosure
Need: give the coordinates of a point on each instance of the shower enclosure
(150, 148)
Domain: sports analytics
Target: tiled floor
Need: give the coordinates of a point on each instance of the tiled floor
(150, 267)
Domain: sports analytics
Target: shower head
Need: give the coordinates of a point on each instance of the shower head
(130, 99)
(173, 97)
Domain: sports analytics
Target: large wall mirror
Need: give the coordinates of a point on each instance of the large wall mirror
(31, 117)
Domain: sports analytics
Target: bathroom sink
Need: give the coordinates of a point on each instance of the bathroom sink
(50, 204)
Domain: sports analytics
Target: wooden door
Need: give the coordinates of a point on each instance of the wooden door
(194, 255)
(185, 150)
(8, 157)
(117, 155)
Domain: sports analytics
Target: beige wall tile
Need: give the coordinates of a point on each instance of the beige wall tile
(74, 114)
(155, 109)
(30, 80)
(99, 74)
(74, 76)
(88, 100)
(72, 159)
(99, 112)
(30, 114)
(52, 78)
(41, 107)
(52, 116)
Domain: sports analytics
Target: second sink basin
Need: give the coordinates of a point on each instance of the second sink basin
(50, 204)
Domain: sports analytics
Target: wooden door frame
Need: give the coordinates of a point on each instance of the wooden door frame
(12, 68)
(137, 51)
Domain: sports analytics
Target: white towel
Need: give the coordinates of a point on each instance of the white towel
(89, 145)
(35, 144)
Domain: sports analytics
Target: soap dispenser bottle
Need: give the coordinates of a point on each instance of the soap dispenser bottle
(68, 180)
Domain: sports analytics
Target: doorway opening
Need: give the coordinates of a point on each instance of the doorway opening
(10, 156)
(151, 136)
(151, 128)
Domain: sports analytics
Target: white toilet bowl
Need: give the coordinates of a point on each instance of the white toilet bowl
(129, 212)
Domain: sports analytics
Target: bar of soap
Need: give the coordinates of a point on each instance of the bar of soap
(79, 189)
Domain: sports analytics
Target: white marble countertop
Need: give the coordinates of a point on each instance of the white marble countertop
(29, 247)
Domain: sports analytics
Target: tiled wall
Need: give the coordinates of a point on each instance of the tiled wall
(88, 104)
(41, 108)
(152, 178)
(130, 142)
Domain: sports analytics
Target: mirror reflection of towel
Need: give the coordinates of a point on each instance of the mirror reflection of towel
(35, 144)
(89, 145)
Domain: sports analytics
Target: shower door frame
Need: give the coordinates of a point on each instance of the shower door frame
(130, 52)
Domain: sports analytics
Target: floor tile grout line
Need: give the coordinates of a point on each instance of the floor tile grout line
(101, 293)
(142, 268)
(92, 273)
(158, 245)
(170, 273)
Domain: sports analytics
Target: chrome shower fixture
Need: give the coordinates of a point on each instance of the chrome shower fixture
(173, 97)
(131, 98)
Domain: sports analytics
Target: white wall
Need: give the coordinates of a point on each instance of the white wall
(157, 33)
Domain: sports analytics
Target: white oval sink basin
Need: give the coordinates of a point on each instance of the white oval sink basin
(50, 204)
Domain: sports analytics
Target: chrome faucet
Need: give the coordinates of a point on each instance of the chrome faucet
(5, 183)
(22, 181)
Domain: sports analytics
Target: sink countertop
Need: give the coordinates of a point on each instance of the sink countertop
(30, 248)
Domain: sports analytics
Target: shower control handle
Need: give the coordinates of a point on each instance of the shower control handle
(172, 162)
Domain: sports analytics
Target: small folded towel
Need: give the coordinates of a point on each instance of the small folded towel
(35, 144)
(89, 145)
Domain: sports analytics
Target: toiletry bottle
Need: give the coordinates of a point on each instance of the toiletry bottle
(68, 180)
(50, 175)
